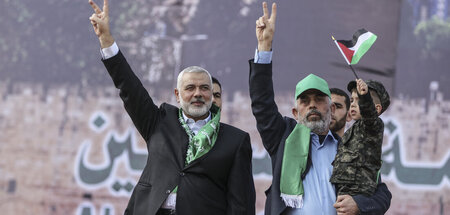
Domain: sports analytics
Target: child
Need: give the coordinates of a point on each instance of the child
(358, 157)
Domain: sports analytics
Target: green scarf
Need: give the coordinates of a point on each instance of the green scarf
(205, 139)
(295, 157)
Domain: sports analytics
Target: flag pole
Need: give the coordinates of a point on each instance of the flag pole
(351, 67)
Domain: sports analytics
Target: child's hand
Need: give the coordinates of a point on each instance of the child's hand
(361, 87)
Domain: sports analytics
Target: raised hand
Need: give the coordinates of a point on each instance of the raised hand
(100, 22)
(265, 28)
(361, 87)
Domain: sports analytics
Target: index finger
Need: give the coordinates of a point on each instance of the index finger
(273, 16)
(105, 7)
(266, 11)
(95, 7)
(337, 205)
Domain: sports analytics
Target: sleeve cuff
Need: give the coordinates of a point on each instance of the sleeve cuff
(263, 57)
(109, 52)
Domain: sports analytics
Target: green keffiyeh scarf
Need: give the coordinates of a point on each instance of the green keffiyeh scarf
(204, 140)
(295, 157)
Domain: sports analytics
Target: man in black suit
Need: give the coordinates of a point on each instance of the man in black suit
(304, 146)
(196, 165)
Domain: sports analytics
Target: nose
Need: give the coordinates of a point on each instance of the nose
(312, 104)
(197, 92)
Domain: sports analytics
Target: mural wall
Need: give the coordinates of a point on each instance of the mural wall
(67, 145)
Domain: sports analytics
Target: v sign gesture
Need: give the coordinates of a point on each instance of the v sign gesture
(265, 28)
(100, 22)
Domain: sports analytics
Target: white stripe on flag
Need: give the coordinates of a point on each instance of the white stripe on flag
(361, 39)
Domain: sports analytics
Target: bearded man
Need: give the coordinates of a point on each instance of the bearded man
(196, 165)
(340, 116)
(301, 149)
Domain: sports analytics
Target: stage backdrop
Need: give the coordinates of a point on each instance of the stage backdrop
(67, 145)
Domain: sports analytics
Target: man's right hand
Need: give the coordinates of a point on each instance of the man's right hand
(265, 28)
(345, 205)
(100, 22)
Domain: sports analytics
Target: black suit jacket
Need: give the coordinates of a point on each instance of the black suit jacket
(219, 182)
(274, 129)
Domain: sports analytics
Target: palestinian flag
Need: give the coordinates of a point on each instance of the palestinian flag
(354, 49)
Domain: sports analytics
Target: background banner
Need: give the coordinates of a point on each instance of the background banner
(67, 145)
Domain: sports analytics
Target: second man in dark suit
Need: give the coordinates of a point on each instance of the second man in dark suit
(196, 165)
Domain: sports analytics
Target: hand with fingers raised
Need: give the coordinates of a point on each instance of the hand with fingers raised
(100, 22)
(265, 28)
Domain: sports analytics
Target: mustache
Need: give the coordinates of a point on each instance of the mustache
(313, 111)
(198, 100)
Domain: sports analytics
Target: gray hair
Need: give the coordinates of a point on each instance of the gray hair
(192, 69)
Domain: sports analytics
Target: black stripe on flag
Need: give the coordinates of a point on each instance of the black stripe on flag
(351, 43)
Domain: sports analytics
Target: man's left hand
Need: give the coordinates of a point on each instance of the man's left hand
(345, 205)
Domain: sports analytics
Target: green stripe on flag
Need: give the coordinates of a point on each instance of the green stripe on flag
(363, 47)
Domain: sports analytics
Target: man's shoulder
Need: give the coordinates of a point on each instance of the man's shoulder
(168, 110)
(167, 106)
(290, 121)
(231, 130)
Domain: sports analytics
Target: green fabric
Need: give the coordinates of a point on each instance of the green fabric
(312, 82)
(201, 143)
(363, 48)
(205, 139)
(295, 157)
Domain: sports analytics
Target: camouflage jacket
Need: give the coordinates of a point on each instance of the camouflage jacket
(358, 157)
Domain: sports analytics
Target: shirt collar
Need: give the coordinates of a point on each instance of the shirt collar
(192, 121)
(328, 139)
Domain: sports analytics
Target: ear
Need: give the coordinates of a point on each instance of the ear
(378, 107)
(295, 113)
(177, 95)
(333, 108)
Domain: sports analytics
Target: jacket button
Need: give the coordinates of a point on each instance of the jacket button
(167, 191)
(182, 173)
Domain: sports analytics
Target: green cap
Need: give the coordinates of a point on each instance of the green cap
(312, 82)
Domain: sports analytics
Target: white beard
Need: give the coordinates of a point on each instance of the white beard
(194, 111)
(320, 126)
